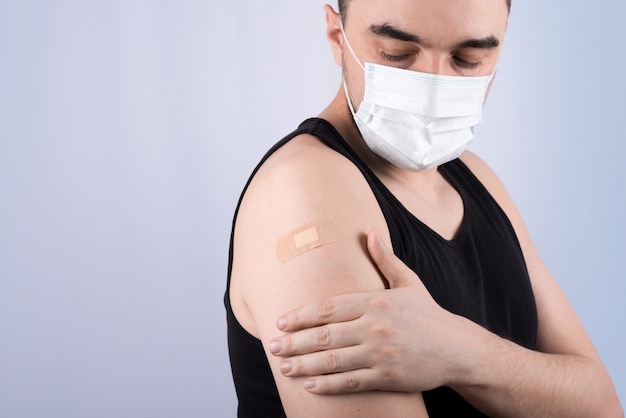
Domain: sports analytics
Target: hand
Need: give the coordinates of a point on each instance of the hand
(395, 340)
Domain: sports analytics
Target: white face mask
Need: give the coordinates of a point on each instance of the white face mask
(414, 120)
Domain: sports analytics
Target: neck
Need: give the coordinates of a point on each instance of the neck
(339, 115)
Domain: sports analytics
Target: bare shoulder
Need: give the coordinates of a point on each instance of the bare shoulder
(306, 175)
(302, 182)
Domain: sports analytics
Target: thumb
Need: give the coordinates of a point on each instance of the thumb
(393, 269)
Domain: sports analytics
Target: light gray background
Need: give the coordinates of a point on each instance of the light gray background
(128, 128)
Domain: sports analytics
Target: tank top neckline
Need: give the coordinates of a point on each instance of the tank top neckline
(464, 227)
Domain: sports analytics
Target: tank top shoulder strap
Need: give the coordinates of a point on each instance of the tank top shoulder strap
(326, 132)
(398, 219)
(468, 184)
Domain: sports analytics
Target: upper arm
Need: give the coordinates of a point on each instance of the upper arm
(559, 329)
(303, 184)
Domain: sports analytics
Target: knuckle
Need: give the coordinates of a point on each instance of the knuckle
(390, 353)
(323, 385)
(351, 381)
(326, 308)
(333, 361)
(379, 302)
(392, 375)
(293, 318)
(382, 330)
(295, 366)
(323, 336)
(287, 345)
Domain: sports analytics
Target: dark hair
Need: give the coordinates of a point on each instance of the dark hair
(343, 5)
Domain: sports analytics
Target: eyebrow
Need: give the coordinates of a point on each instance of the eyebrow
(389, 31)
(489, 42)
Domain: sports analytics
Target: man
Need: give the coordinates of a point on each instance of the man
(484, 329)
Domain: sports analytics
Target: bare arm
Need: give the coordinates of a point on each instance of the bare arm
(564, 378)
(295, 187)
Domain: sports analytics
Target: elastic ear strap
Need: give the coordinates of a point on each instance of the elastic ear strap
(345, 89)
(306, 238)
(345, 86)
(345, 38)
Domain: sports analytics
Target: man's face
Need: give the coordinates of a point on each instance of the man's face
(449, 37)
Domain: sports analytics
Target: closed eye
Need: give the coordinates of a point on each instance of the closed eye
(394, 58)
(465, 64)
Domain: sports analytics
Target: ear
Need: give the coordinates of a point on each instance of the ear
(333, 33)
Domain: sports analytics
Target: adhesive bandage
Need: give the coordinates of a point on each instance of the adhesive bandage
(307, 237)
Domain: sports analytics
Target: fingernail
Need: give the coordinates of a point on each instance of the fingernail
(275, 346)
(285, 367)
(309, 384)
(281, 323)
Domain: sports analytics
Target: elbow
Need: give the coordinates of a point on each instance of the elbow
(612, 410)
(607, 402)
(611, 407)
(615, 410)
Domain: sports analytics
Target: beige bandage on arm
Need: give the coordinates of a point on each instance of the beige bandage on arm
(307, 237)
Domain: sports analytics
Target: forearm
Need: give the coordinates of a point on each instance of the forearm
(504, 379)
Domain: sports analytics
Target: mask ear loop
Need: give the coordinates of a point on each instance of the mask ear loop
(345, 86)
(345, 89)
(345, 38)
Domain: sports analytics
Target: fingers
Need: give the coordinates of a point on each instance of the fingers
(326, 362)
(395, 271)
(332, 310)
(360, 380)
(315, 339)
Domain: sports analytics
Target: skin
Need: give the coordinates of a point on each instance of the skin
(378, 349)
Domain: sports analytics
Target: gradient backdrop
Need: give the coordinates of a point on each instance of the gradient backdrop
(128, 128)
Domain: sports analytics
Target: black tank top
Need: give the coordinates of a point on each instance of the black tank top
(480, 274)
